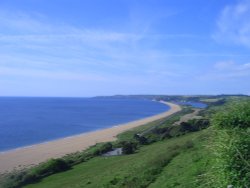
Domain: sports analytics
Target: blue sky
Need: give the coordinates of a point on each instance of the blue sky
(96, 47)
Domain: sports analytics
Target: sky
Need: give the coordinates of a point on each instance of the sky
(82, 48)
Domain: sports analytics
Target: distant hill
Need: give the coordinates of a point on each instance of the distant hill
(197, 98)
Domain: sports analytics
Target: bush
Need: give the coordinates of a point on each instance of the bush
(141, 139)
(50, 167)
(36, 173)
(104, 148)
(194, 125)
(174, 130)
(199, 124)
(232, 146)
(234, 116)
(128, 147)
(187, 127)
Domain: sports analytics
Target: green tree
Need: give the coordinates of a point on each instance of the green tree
(128, 147)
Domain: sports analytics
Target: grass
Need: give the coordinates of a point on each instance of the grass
(151, 166)
(189, 168)
(231, 146)
(164, 122)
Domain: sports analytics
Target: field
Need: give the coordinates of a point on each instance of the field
(160, 164)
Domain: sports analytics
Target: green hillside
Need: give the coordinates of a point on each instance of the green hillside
(192, 148)
(152, 163)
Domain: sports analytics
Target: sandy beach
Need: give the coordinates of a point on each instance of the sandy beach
(35, 154)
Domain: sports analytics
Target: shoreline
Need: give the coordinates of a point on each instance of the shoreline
(79, 134)
(34, 154)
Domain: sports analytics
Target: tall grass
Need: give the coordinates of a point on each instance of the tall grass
(146, 174)
(231, 146)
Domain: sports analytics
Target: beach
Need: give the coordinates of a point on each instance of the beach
(35, 154)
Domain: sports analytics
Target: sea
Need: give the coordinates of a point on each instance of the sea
(25, 121)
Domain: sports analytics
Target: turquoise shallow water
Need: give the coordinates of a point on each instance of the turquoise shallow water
(25, 121)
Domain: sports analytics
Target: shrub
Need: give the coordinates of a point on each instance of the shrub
(199, 124)
(141, 139)
(232, 146)
(128, 147)
(234, 116)
(104, 148)
(187, 127)
(51, 166)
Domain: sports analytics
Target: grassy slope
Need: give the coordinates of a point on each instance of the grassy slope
(164, 122)
(181, 171)
(188, 168)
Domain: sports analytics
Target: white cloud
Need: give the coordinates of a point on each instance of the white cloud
(43, 44)
(37, 48)
(19, 27)
(223, 65)
(227, 70)
(233, 24)
(55, 75)
(13, 21)
(231, 66)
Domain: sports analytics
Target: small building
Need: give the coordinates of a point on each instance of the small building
(114, 152)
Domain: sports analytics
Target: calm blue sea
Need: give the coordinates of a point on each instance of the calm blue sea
(25, 120)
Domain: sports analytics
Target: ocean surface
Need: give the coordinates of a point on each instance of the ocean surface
(26, 121)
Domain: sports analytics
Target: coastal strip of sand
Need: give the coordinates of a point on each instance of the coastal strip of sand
(35, 154)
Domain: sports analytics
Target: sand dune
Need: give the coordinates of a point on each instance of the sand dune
(35, 154)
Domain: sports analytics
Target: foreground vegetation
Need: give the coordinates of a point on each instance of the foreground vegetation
(211, 150)
(140, 169)
(231, 146)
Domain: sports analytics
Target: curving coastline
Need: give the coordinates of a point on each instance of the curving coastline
(28, 156)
